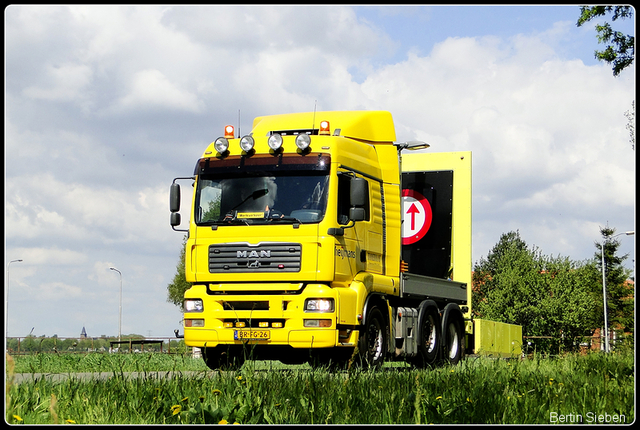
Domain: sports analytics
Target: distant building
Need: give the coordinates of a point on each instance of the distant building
(83, 334)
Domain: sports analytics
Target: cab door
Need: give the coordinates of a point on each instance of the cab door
(361, 245)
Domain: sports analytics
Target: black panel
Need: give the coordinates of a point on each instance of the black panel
(431, 255)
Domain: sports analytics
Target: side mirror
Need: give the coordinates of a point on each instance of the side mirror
(358, 192)
(175, 219)
(357, 214)
(174, 199)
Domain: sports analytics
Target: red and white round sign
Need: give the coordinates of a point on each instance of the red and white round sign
(417, 216)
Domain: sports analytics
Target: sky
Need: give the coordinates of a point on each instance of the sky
(105, 105)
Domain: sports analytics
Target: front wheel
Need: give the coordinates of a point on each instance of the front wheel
(331, 359)
(372, 344)
(223, 358)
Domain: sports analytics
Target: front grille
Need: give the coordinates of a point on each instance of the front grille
(262, 258)
(245, 306)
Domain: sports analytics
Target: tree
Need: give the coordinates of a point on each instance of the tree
(620, 49)
(176, 289)
(547, 296)
(620, 297)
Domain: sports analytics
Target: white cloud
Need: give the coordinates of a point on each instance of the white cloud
(106, 104)
(46, 208)
(150, 89)
(65, 83)
(59, 291)
(49, 256)
(547, 135)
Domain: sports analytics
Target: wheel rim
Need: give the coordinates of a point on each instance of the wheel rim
(453, 341)
(375, 340)
(431, 339)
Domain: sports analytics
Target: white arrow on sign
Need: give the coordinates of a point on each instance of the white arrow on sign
(417, 216)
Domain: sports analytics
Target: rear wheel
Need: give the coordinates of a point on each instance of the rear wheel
(454, 341)
(372, 344)
(429, 342)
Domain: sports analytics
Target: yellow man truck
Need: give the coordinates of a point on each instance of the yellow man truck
(318, 238)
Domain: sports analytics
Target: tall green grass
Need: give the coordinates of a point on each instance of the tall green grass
(104, 362)
(479, 390)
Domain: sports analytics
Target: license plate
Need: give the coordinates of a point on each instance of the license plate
(252, 335)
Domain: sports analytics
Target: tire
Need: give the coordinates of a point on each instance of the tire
(453, 340)
(331, 359)
(372, 344)
(223, 358)
(429, 339)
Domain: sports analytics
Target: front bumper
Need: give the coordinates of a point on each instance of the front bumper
(276, 317)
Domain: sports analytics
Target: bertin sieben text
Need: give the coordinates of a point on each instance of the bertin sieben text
(587, 418)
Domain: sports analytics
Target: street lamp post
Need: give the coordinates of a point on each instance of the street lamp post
(120, 308)
(6, 306)
(604, 288)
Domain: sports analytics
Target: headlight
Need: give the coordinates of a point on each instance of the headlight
(275, 141)
(221, 144)
(319, 305)
(303, 141)
(246, 143)
(193, 305)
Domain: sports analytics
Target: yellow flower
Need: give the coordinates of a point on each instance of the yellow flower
(17, 418)
(71, 422)
(439, 397)
(223, 421)
(185, 399)
(216, 392)
(469, 400)
(175, 409)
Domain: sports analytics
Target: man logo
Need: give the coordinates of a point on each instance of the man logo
(254, 254)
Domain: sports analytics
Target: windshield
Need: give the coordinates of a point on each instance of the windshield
(261, 197)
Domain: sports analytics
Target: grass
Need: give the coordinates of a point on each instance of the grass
(479, 390)
(104, 362)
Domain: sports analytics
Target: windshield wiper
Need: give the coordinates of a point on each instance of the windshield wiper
(286, 218)
(275, 215)
(255, 196)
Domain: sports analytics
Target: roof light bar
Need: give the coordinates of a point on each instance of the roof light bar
(221, 145)
(303, 141)
(247, 143)
(275, 141)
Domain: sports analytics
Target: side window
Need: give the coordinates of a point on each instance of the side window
(343, 199)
